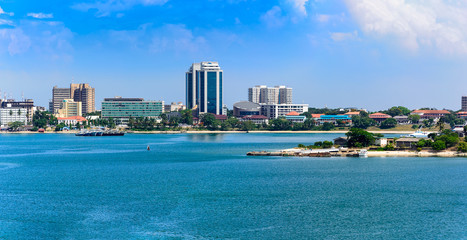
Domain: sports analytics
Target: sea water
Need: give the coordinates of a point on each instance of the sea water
(203, 186)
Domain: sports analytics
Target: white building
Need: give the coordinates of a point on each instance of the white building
(278, 110)
(8, 115)
(270, 95)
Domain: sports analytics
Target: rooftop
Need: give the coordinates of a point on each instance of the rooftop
(432, 111)
(293, 113)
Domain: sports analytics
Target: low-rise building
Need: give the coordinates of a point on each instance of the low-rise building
(10, 114)
(279, 110)
(256, 119)
(406, 142)
(379, 117)
(244, 108)
(121, 109)
(295, 117)
(427, 114)
(383, 142)
(462, 115)
(341, 141)
(72, 120)
(402, 120)
(334, 119)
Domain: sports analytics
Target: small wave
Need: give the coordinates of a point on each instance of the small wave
(6, 166)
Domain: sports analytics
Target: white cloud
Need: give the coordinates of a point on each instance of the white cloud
(40, 15)
(416, 24)
(7, 13)
(343, 36)
(299, 6)
(106, 7)
(6, 22)
(273, 18)
(323, 18)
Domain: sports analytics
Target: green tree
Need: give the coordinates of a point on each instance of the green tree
(15, 125)
(327, 144)
(187, 117)
(279, 124)
(389, 123)
(359, 138)
(59, 127)
(439, 145)
(248, 126)
(414, 118)
(327, 126)
(462, 147)
(210, 121)
(449, 137)
(362, 121)
(440, 125)
(308, 124)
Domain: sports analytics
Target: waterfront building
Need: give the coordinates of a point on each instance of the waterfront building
(174, 107)
(279, 110)
(350, 114)
(379, 117)
(341, 141)
(462, 115)
(402, 120)
(433, 114)
(204, 88)
(464, 104)
(295, 117)
(27, 104)
(121, 109)
(334, 119)
(85, 94)
(72, 120)
(270, 95)
(58, 94)
(69, 108)
(245, 108)
(13, 114)
(256, 119)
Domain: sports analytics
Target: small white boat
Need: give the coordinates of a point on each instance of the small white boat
(363, 153)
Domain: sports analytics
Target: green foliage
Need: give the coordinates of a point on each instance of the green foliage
(419, 149)
(414, 118)
(308, 124)
(389, 123)
(279, 124)
(449, 137)
(462, 147)
(187, 117)
(15, 125)
(318, 144)
(359, 138)
(327, 126)
(389, 147)
(424, 143)
(210, 121)
(59, 127)
(247, 126)
(301, 146)
(327, 144)
(397, 111)
(362, 121)
(42, 119)
(414, 126)
(439, 145)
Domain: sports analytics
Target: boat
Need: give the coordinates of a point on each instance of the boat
(363, 153)
(99, 133)
(418, 134)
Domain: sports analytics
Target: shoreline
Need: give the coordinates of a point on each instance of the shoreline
(215, 132)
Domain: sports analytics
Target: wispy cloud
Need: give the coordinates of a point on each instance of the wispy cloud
(106, 7)
(40, 15)
(343, 36)
(273, 18)
(299, 6)
(6, 13)
(431, 24)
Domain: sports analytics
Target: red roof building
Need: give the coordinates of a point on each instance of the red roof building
(293, 113)
(427, 114)
(72, 120)
(379, 117)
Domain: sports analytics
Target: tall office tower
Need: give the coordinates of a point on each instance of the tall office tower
(85, 94)
(192, 86)
(464, 103)
(207, 80)
(254, 93)
(58, 94)
(285, 95)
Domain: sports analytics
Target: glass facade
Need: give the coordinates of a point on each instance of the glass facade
(220, 91)
(189, 92)
(123, 110)
(212, 92)
(202, 96)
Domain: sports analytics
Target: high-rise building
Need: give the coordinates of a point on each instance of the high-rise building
(69, 108)
(12, 114)
(204, 88)
(270, 95)
(85, 94)
(58, 94)
(27, 104)
(121, 109)
(464, 103)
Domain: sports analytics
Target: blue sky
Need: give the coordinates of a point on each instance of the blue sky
(350, 53)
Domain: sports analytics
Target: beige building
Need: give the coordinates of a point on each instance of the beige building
(85, 94)
(69, 108)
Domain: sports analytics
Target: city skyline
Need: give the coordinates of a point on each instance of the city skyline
(327, 51)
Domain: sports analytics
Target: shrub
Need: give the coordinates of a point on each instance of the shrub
(439, 145)
(462, 147)
(419, 149)
(389, 147)
(301, 146)
(327, 144)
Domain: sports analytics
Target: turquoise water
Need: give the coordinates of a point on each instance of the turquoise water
(204, 187)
